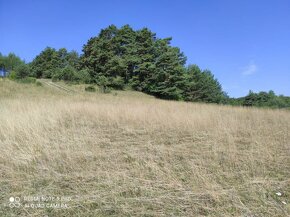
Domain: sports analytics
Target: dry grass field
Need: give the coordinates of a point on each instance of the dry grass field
(129, 154)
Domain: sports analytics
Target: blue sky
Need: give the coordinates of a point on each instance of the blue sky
(245, 43)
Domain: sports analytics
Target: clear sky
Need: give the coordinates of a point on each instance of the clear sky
(245, 43)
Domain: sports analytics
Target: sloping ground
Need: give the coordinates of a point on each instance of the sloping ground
(56, 85)
(128, 154)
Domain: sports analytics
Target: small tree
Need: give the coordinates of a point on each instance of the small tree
(103, 82)
(202, 86)
(10, 62)
(83, 76)
(68, 73)
(22, 71)
(117, 83)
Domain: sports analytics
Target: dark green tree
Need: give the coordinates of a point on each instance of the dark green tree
(10, 62)
(98, 53)
(146, 63)
(45, 63)
(202, 86)
(22, 71)
(168, 80)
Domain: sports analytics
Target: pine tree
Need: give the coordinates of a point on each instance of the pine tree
(168, 80)
(148, 64)
(202, 86)
(45, 63)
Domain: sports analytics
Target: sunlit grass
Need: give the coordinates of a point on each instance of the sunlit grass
(129, 154)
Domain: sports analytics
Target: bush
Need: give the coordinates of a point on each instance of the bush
(38, 83)
(47, 74)
(12, 75)
(105, 89)
(83, 76)
(27, 80)
(103, 83)
(68, 73)
(90, 89)
(117, 83)
(22, 71)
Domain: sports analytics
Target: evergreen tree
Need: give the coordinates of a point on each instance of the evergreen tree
(168, 80)
(10, 62)
(125, 50)
(137, 58)
(202, 86)
(22, 71)
(144, 65)
(99, 52)
(45, 63)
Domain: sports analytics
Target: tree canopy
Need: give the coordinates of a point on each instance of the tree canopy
(10, 62)
(147, 63)
(122, 58)
(262, 99)
(50, 60)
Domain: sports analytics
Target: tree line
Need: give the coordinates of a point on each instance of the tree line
(261, 99)
(122, 58)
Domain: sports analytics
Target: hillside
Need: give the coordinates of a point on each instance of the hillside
(130, 154)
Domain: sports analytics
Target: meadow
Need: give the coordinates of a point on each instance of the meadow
(129, 154)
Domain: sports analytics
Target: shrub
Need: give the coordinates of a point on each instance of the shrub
(12, 75)
(68, 73)
(105, 89)
(47, 74)
(56, 74)
(117, 83)
(38, 83)
(82, 76)
(103, 83)
(22, 71)
(90, 89)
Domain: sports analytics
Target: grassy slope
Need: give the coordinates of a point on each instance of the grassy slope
(130, 154)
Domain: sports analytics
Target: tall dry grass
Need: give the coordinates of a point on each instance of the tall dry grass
(132, 155)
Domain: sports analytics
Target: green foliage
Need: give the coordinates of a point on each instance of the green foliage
(135, 58)
(50, 60)
(22, 71)
(103, 83)
(68, 58)
(202, 86)
(104, 89)
(117, 83)
(70, 74)
(90, 89)
(167, 77)
(12, 75)
(83, 76)
(10, 62)
(262, 99)
(45, 63)
(57, 74)
(120, 57)
(38, 83)
(27, 80)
